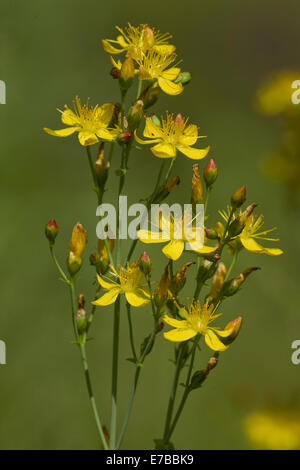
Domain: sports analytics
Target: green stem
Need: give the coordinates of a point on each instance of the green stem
(91, 395)
(59, 268)
(114, 385)
(131, 331)
(139, 89)
(186, 392)
(173, 392)
(170, 169)
(232, 265)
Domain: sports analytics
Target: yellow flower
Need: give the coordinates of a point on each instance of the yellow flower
(174, 134)
(137, 40)
(197, 321)
(129, 283)
(274, 429)
(154, 66)
(175, 232)
(90, 123)
(251, 232)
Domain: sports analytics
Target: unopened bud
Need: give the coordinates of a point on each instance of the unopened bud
(236, 324)
(114, 72)
(239, 197)
(211, 233)
(124, 137)
(172, 183)
(95, 259)
(162, 291)
(232, 286)
(151, 96)
(155, 119)
(178, 281)
(81, 320)
(210, 172)
(184, 78)
(197, 188)
(135, 115)
(81, 301)
(238, 225)
(218, 280)
(51, 231)
(102, 259)
(126, 74)
(101, 169)
(148, 37)
(76, 248)
(145, 263)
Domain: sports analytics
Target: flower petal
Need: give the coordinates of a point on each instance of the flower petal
(206, 250)
(251, 245)
(170, 88)
(151, 130)
(171, 74)
(105, 134)
(145, 142)
(190, 135)
(178, 335)
(213, 341)
(108, 298)
(176, 323)
(164, 150)
(173, 249)
(87, 138)
(146, 236)
(194, 154)
(106, 285)
(61, 132)
(224, 333)
(136, 299)
(105, 113)
(109, 48)
(69, 118)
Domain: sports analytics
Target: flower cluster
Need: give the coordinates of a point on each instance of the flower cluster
(150, 59)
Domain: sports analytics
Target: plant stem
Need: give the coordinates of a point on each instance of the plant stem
(170, 169)
(139, 89)
(114, 385)
(91, 395)
(232, 265)
(131, 331)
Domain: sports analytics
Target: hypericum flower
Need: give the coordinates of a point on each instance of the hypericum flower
(154, 66)
(197, 321)
(274, 429)
(137, 40)
(174, 134)
(251, 232)
(175, 232)
(129, 283)
(90, 123)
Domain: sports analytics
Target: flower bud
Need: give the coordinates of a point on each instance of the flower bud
(101, 169)
(76, 248)
(206, 269)
(51, 231)
(179, 121)
(81, 320)
(238, 225)
(211, 233)
(155, 119)
(197, 188)
(172, 183)
(184, 78)
(145, 263)
(239, 197)
(232, 286)
(102, 260)
(114, 72)
(95, 259)
(162, 291)
(237, 325)
(148, 37)
(178, 281)
(151, 96)
(218, 281)
(127, 73)
(210, 172)
(135, 115)
(165, 190)
(124, 137)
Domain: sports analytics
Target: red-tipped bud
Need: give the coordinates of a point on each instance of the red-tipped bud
(114, 72)
(210, 172)
(211, 234)
(51, 231)
(239, 197)
(145, 263)
(124, 137)
(95, 259)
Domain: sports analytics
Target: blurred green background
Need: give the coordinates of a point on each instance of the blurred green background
(49, 52)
